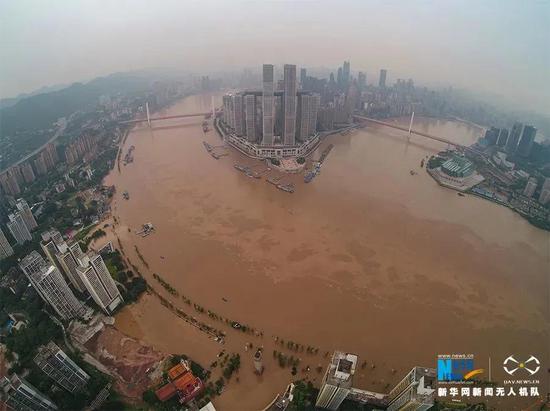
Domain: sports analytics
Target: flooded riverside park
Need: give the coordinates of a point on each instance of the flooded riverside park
(368, 258)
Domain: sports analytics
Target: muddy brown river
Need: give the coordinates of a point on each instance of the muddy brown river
(367, 258)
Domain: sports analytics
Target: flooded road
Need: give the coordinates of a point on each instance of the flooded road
(367, 258)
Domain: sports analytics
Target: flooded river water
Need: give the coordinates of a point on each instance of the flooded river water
(368, 258)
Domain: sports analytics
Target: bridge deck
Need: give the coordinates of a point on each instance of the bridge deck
(143, 120)
(430, 136)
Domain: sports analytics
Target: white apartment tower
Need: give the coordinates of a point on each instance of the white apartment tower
(337, 382)
(18, 394)
(53, 361)
(26, 213)
(5, 247)
(18, 228)
(67, 257)
(415, 392)
(268, 108)
(51, 286)
(99, 283)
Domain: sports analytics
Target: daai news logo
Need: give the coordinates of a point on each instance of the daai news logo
(515, 367)
(456, 367)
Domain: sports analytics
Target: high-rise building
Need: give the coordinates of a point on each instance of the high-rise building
(69, 258)
(65, 256)
(17, 174)
(250, 117)
(382, 79)
(340, 78)
(491, 136)
(544, 197)
(32, 263)
(530, 187)
(5, 247)
(40, 165)
(362, 81)
(289, 104)
(99, 283)
(50, 244)
(238, 120)
(308, 106)
(268, 109)
(18, 228)
(415, 392)
(19, 395)
(303, 78)
(52, 287)
(513, 138)
(502, 137)
(338, 380)
(28, 173)
(526, 141)
(26, 213)
(331, 80)
(346, 74)
(53, 361)
(226, 99)
(9, 184)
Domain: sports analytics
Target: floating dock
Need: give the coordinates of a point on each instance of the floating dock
(289, 188)
(146, 229)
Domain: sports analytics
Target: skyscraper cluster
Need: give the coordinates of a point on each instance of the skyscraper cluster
(517, 141)
(49, 283)
(20, 224)
(13, 178)
(87, 273)
(271, 117)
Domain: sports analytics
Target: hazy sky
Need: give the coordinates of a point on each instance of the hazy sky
(496, 46)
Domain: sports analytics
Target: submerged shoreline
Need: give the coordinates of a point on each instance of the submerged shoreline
(343, 263)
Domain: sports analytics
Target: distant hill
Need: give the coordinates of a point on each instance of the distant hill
(41, 110)
(8, 102)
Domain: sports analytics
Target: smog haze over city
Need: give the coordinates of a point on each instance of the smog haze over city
(275, 205)
(480, 46)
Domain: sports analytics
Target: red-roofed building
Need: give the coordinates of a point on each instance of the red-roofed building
(182, 382)
(166, 392)
(176, 371)
(188, 387)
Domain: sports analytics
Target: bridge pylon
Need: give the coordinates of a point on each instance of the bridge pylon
(148, 116)
(410, 127)
(213, 108)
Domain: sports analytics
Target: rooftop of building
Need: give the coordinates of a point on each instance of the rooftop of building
(341, 368)
(29, 258)
(166, 392)
(177, 370)
(429, 374)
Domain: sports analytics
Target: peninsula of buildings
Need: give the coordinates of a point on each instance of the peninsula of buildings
(274, 122)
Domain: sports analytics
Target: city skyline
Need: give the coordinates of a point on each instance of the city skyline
(506, 45)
